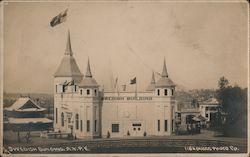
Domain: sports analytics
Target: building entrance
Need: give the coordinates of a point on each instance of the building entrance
(137, 129)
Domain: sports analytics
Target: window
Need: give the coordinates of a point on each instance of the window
(56, 114)
(81, 125)
(158, 125)
(88, 125)
(69, 120)
(62, 119)
(95, 111)
(115, 127)
(95, 92)
(136, 124)
(206, 115)
(63, 88)
(56, 88)
(81, 91)
(172, 91)
(158, 92)
(75, 88)
(165, 92)
(88, 91)
(166, 125)
(95, 125)
(172, 125)
(77, 121)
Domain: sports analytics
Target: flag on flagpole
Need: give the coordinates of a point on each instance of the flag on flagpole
(71, 83)
(59, 18)
(133, 81)
(64, 83)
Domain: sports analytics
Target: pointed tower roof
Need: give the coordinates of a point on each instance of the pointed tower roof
(68, 50)
(88, 71)
(151, 86)
(68, 66)
(153, 78)
(164, 71)
(164, 81)
(88, 81)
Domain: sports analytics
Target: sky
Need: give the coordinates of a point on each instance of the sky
(201, 42)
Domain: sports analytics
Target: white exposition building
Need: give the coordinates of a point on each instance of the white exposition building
(85, 111)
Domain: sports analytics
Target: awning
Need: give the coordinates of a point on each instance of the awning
(202, 118)
(196, 119)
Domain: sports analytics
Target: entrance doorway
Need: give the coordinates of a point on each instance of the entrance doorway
(137, 129)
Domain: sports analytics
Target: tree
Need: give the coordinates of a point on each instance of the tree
(223, 82)
(234, 106)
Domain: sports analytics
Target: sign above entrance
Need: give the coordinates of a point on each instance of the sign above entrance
(127, 98)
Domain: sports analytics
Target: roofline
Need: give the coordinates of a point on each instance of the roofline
(88, 86)
(165, 86)
(68, 75)
(130, 92)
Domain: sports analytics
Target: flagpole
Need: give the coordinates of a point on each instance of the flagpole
(136, 89)
(117, 89)
(68, 17)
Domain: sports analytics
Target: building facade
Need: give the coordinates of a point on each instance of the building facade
(84, 110)
(26, 115)
(208, 107)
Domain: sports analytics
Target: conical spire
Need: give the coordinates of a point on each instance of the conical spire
(164, 71)
(68, 50)
(88, 72)
(88, 81)
(68, 66)
(153, 78)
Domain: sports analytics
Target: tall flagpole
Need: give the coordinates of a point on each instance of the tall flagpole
(67, 22)
(136, 88)
(117, 88)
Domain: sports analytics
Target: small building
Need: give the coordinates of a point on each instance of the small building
(26, 115)
(208, 107)
(189, 114)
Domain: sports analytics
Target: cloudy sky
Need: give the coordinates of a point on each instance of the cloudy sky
(200, 41)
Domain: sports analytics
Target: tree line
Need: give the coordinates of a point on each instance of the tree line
(234, 108)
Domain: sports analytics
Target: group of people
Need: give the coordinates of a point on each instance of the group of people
(193, 128)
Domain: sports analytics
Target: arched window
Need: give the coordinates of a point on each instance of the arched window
(172, 91)
(77, 121)
(165, 92)
(63, 88)
(81, 91)
(88, 91)
(62, 119)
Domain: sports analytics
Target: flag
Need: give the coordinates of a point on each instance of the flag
(71, 83)
(64, 83)
(133, 81)
(59, 18)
